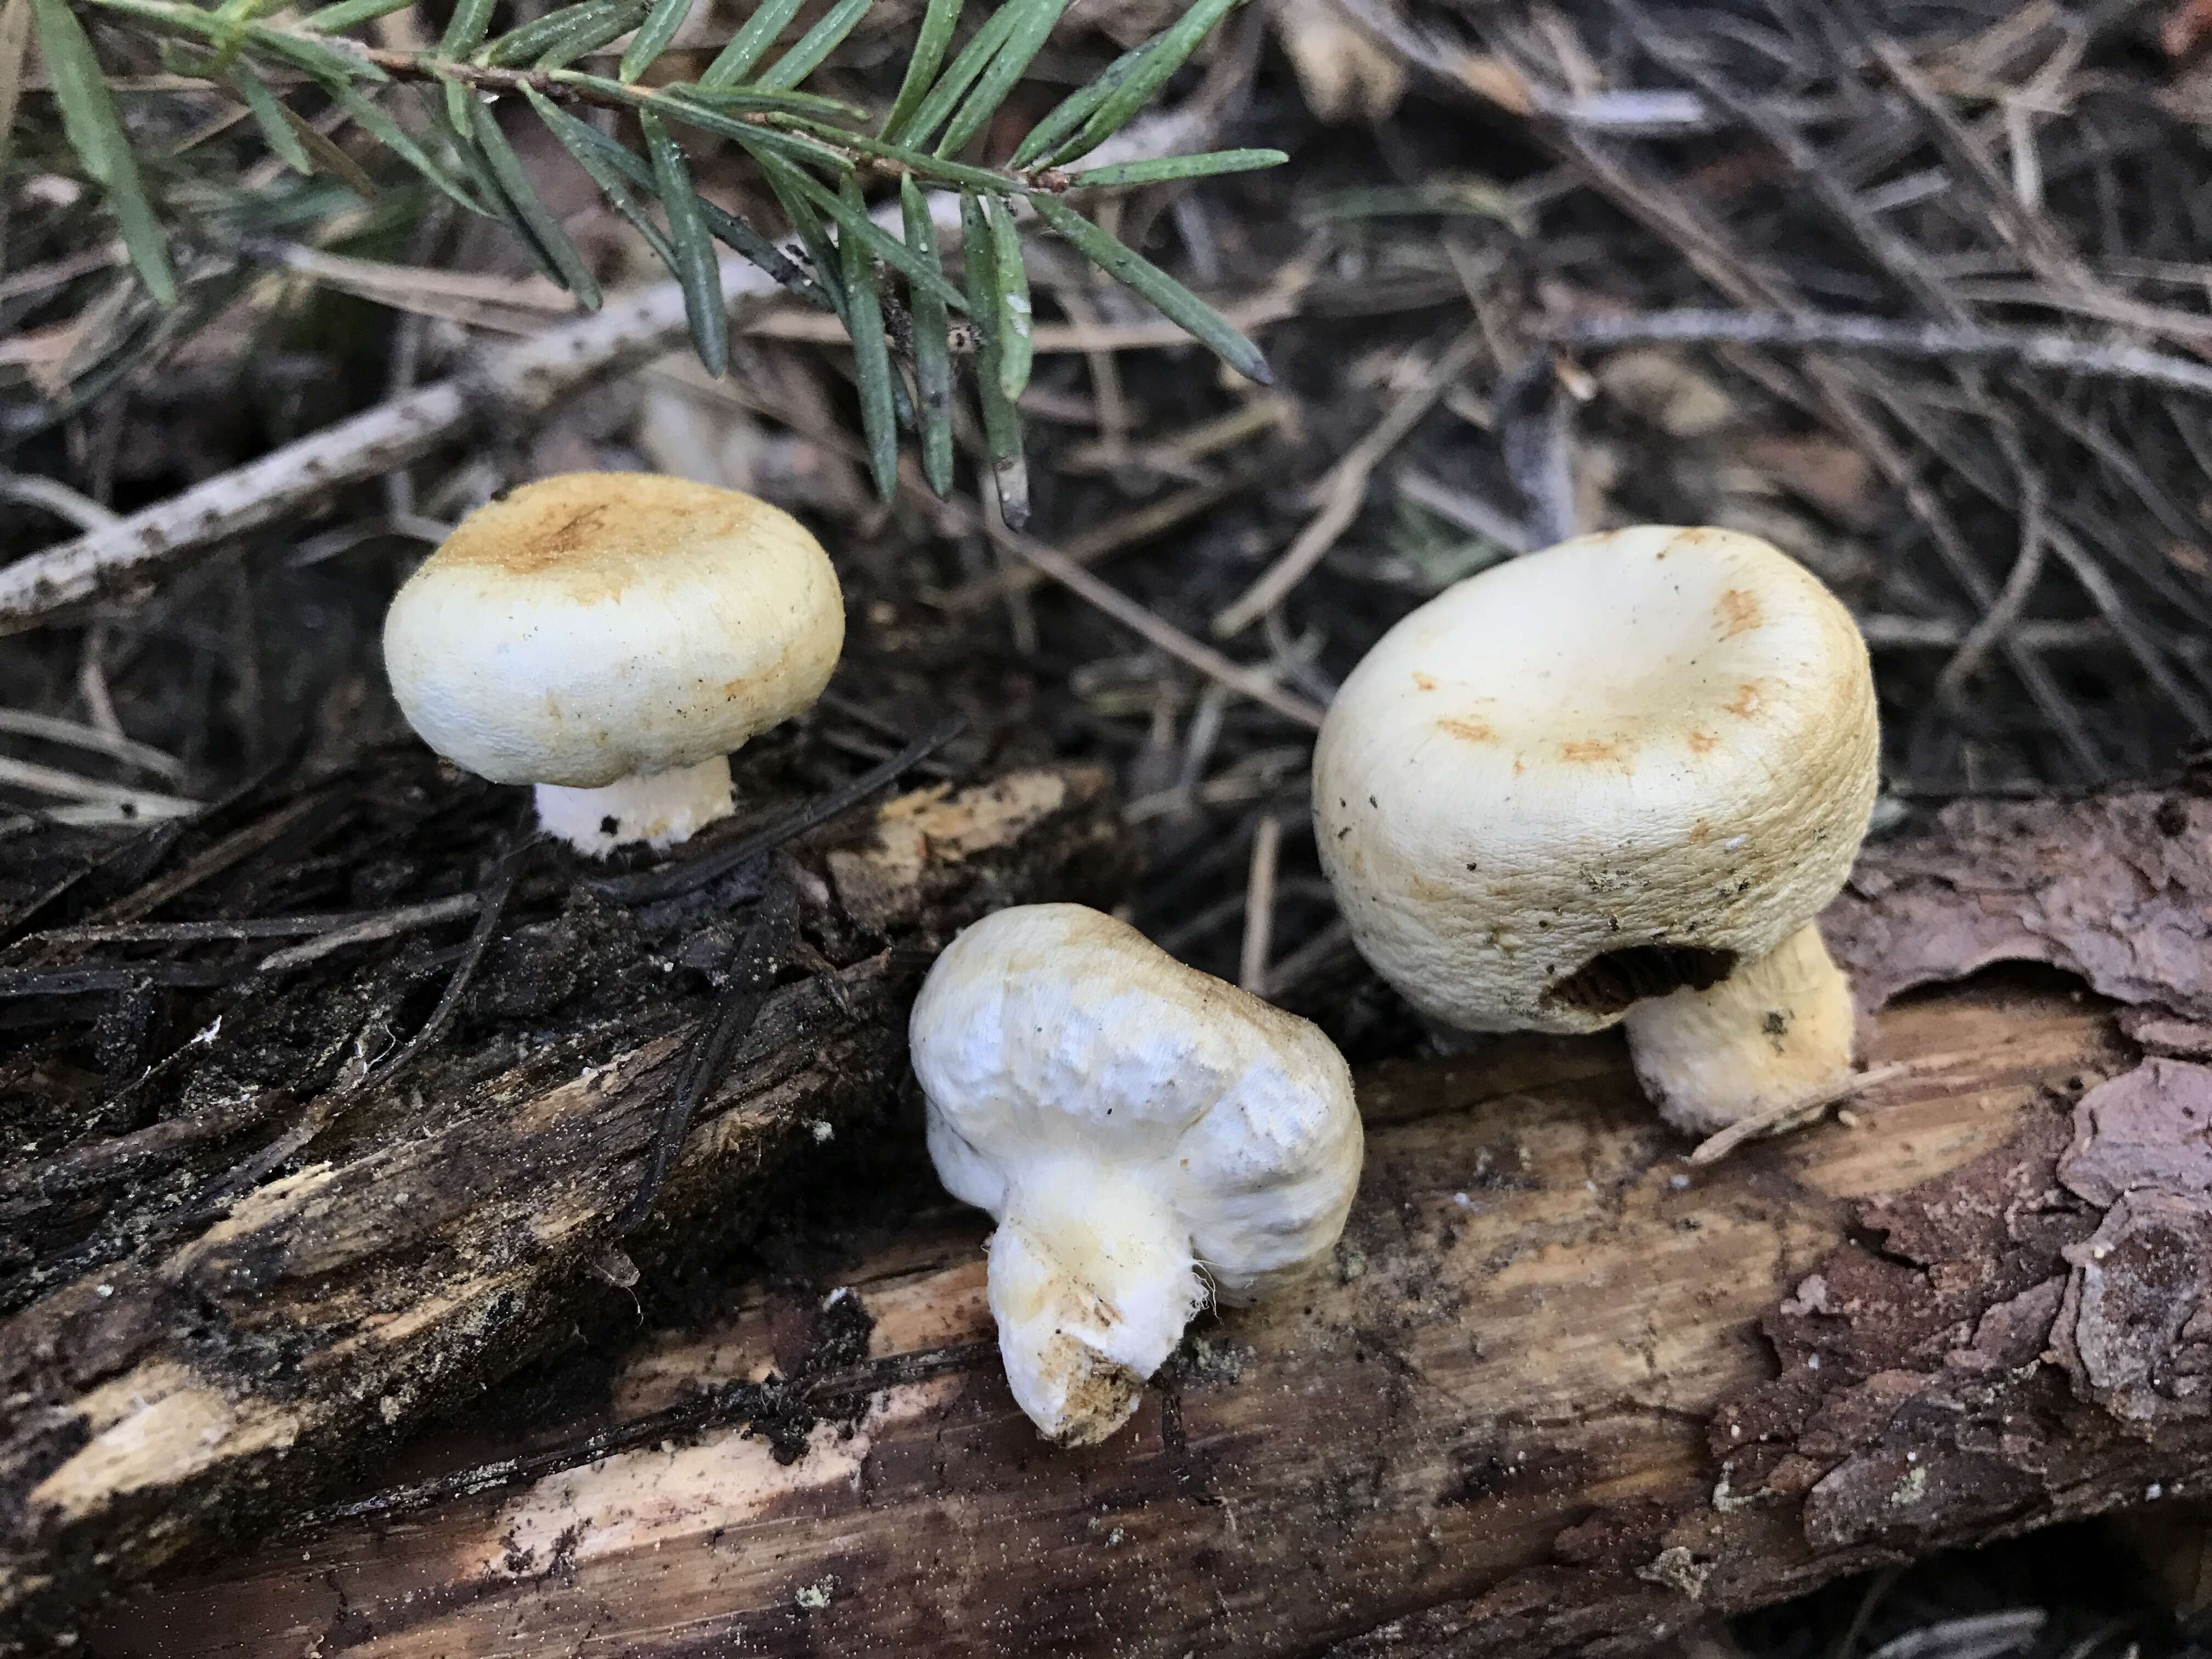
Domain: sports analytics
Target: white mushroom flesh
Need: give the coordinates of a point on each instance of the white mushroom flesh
(658, 808)
(1776, 1032)
(1144, 1135)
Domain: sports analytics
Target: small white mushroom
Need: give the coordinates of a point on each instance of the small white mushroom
(1615, 781)
(611, 637)
(1141, 1132)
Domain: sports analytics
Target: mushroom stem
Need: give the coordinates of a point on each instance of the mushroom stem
(661, 808)
(1092, 1282)
(1775, 1031)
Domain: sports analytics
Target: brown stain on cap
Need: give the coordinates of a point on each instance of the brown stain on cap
(1424, 681)
(1472, 731)
(595, 531)
(1703, 742)
(1590, 752)
(1747, 703)
(1739, 613)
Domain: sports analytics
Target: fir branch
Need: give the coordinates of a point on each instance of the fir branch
(809, 150)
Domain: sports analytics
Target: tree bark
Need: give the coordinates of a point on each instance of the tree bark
(1556, 1390)
(1559, 1389)
(425, 1238)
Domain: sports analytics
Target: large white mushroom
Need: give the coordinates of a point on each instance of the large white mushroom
(1143, 1134)
(1615, 781)
(611, 637)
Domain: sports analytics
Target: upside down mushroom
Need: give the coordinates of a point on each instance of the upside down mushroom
(1144, 1134)
(1614, 782)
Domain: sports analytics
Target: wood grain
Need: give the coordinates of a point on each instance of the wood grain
(1500, 1422)
(404, 1248)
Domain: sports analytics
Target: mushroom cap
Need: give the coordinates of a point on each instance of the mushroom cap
(1597, 773)
(600, 625)
(1053, 1040)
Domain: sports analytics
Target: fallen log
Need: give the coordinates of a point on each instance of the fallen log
(1534, 1405)
(260, 1293)
(1559, 1390)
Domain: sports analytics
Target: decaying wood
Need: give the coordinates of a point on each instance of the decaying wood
(1530, 1405)
(389, 1251)
(1559, 1389)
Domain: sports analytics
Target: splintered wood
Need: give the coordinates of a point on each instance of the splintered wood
(1484, 1427)
(249, 1352)
(1559, 1387)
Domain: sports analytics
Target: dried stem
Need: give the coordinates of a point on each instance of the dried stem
(1978, 343)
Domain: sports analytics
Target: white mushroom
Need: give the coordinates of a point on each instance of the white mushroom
(611, 637)
(1140, 1131)
(1615, 779)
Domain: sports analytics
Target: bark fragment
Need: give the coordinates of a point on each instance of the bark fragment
(164, 1401)
(1561, 1393)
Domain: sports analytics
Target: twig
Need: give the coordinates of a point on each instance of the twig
(385, 924)
(1466, 511)
(522, 382)
(128, 977)
(959, 519)
(491, 903)
(833, 702)
(1260, 905)
(69, 785)
(2026, 230)
(2028, 348)
(53, 274)
(48, 728)
(761, 952)
(1177, 454)
(1343, 489)
(56, 498)
(92, 683)
(1878, 1587)
(239, 844)
(1534, 408)
(2019, 586)
(432, 67)
(569, 85)
(1294, 969)
(1982, 1636)
(2106, 598)
(1168, 638)
(2018, 220)
(1125, 531)
(1113, 422)
(1188, 932)
(674, 881)
(1886, 632)
(1714, 1148)
(206, 932)
(1823, 184)
(1051, 561)
(511, 305)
